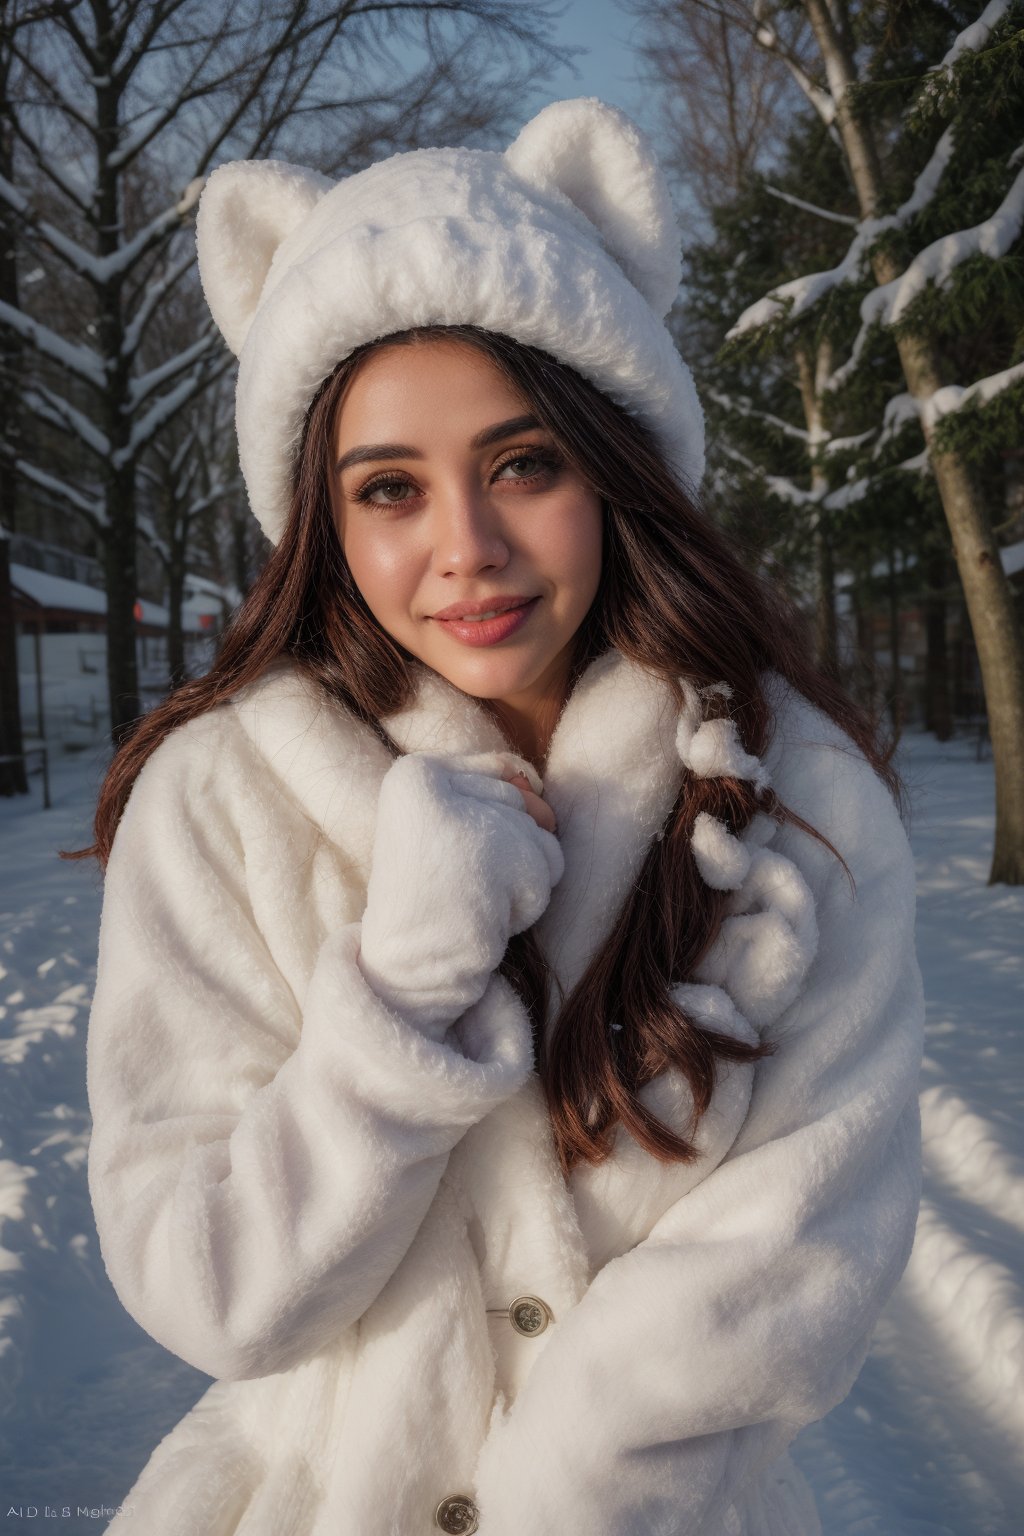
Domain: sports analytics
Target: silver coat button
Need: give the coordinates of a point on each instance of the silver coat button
(529, 1315)
(457, 1515)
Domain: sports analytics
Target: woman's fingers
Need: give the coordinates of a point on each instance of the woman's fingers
(539, 809)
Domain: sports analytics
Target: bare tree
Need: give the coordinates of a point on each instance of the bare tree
(725, 105)
(117, 111)
(189, 479)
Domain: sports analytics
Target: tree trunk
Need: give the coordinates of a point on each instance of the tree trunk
(862, 602)
(826, 628)
(122, 590)
(175, 597)
(1000, 647)
(812, 374)
(997, 634)
(897, 707)
(13, 778)
(240, 551)
(119, 533)
(937, 702)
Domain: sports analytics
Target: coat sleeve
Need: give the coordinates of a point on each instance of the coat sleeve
(257, 1169)
(692, 1361)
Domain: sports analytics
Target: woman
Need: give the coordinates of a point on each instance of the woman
(504, 1053)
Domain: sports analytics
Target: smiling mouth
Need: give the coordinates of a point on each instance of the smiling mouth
(476, 618)
(453, 616)
(491, 626)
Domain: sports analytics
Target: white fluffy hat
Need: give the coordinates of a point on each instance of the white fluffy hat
(567, 240)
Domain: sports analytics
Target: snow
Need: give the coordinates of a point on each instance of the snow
(57, 591)
(977, 34)
(103, 269)
(151, 300)
(80, 361)
(938, 261)
(141, 388)
(60, 413)
(886, 304)
(927, 1444)
(743, 407)
(190, 197)
(768, 38)
(802, 293)
(822, 213)
(91, 507)
(952, 396)
(146, 427)
(928, 180)
(898, 412)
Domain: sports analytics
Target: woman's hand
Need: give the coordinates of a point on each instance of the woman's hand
(538, 807)
(464, 857)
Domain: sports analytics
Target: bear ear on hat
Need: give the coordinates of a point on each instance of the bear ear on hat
(597, 157)
(246, 209)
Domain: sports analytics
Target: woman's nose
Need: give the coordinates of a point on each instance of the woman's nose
(467, 534)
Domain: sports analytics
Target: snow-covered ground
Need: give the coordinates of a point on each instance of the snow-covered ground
(929, 1443)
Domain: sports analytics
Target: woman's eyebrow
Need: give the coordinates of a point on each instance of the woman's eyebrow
(484, 439)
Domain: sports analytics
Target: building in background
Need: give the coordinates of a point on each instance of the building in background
(60, 614)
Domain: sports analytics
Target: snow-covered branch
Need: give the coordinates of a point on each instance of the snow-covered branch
(768, 38)
(214, 494)
(141, 388)
(856, 490)
(146, 528)
(83, 363)
(845, 444)
(59, 412)
(779, 485)
(46, 165)
(183, 465)
(992, 238)
(741, 407)
(146, 427)
(154, 295)
(888, 303)
(101, 269)
(953, 397)
(822, 498)
(974, 37)
(800, 294)
(76, 256)
(822, 213)
(89, 506)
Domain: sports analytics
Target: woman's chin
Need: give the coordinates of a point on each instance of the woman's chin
(490, 676)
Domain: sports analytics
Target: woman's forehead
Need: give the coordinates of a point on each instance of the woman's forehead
(433, 385)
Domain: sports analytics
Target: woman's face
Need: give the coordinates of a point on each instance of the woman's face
(446, 498)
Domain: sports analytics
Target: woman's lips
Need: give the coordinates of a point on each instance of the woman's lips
(488, 631)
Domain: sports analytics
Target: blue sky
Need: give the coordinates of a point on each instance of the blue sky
(609, 68)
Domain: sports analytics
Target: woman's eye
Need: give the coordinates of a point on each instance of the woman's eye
(533, 462)
(369, 492)
(391, 491)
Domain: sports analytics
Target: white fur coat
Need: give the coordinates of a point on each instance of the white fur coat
(303, 1196)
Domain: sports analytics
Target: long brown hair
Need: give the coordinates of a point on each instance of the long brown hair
(675, 597)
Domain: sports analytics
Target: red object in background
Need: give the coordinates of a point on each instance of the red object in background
(206, 620)
(137, 610)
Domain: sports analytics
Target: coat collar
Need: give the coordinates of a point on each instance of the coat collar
(612, 775)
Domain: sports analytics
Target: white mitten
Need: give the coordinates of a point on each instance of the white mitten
(459, 866)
